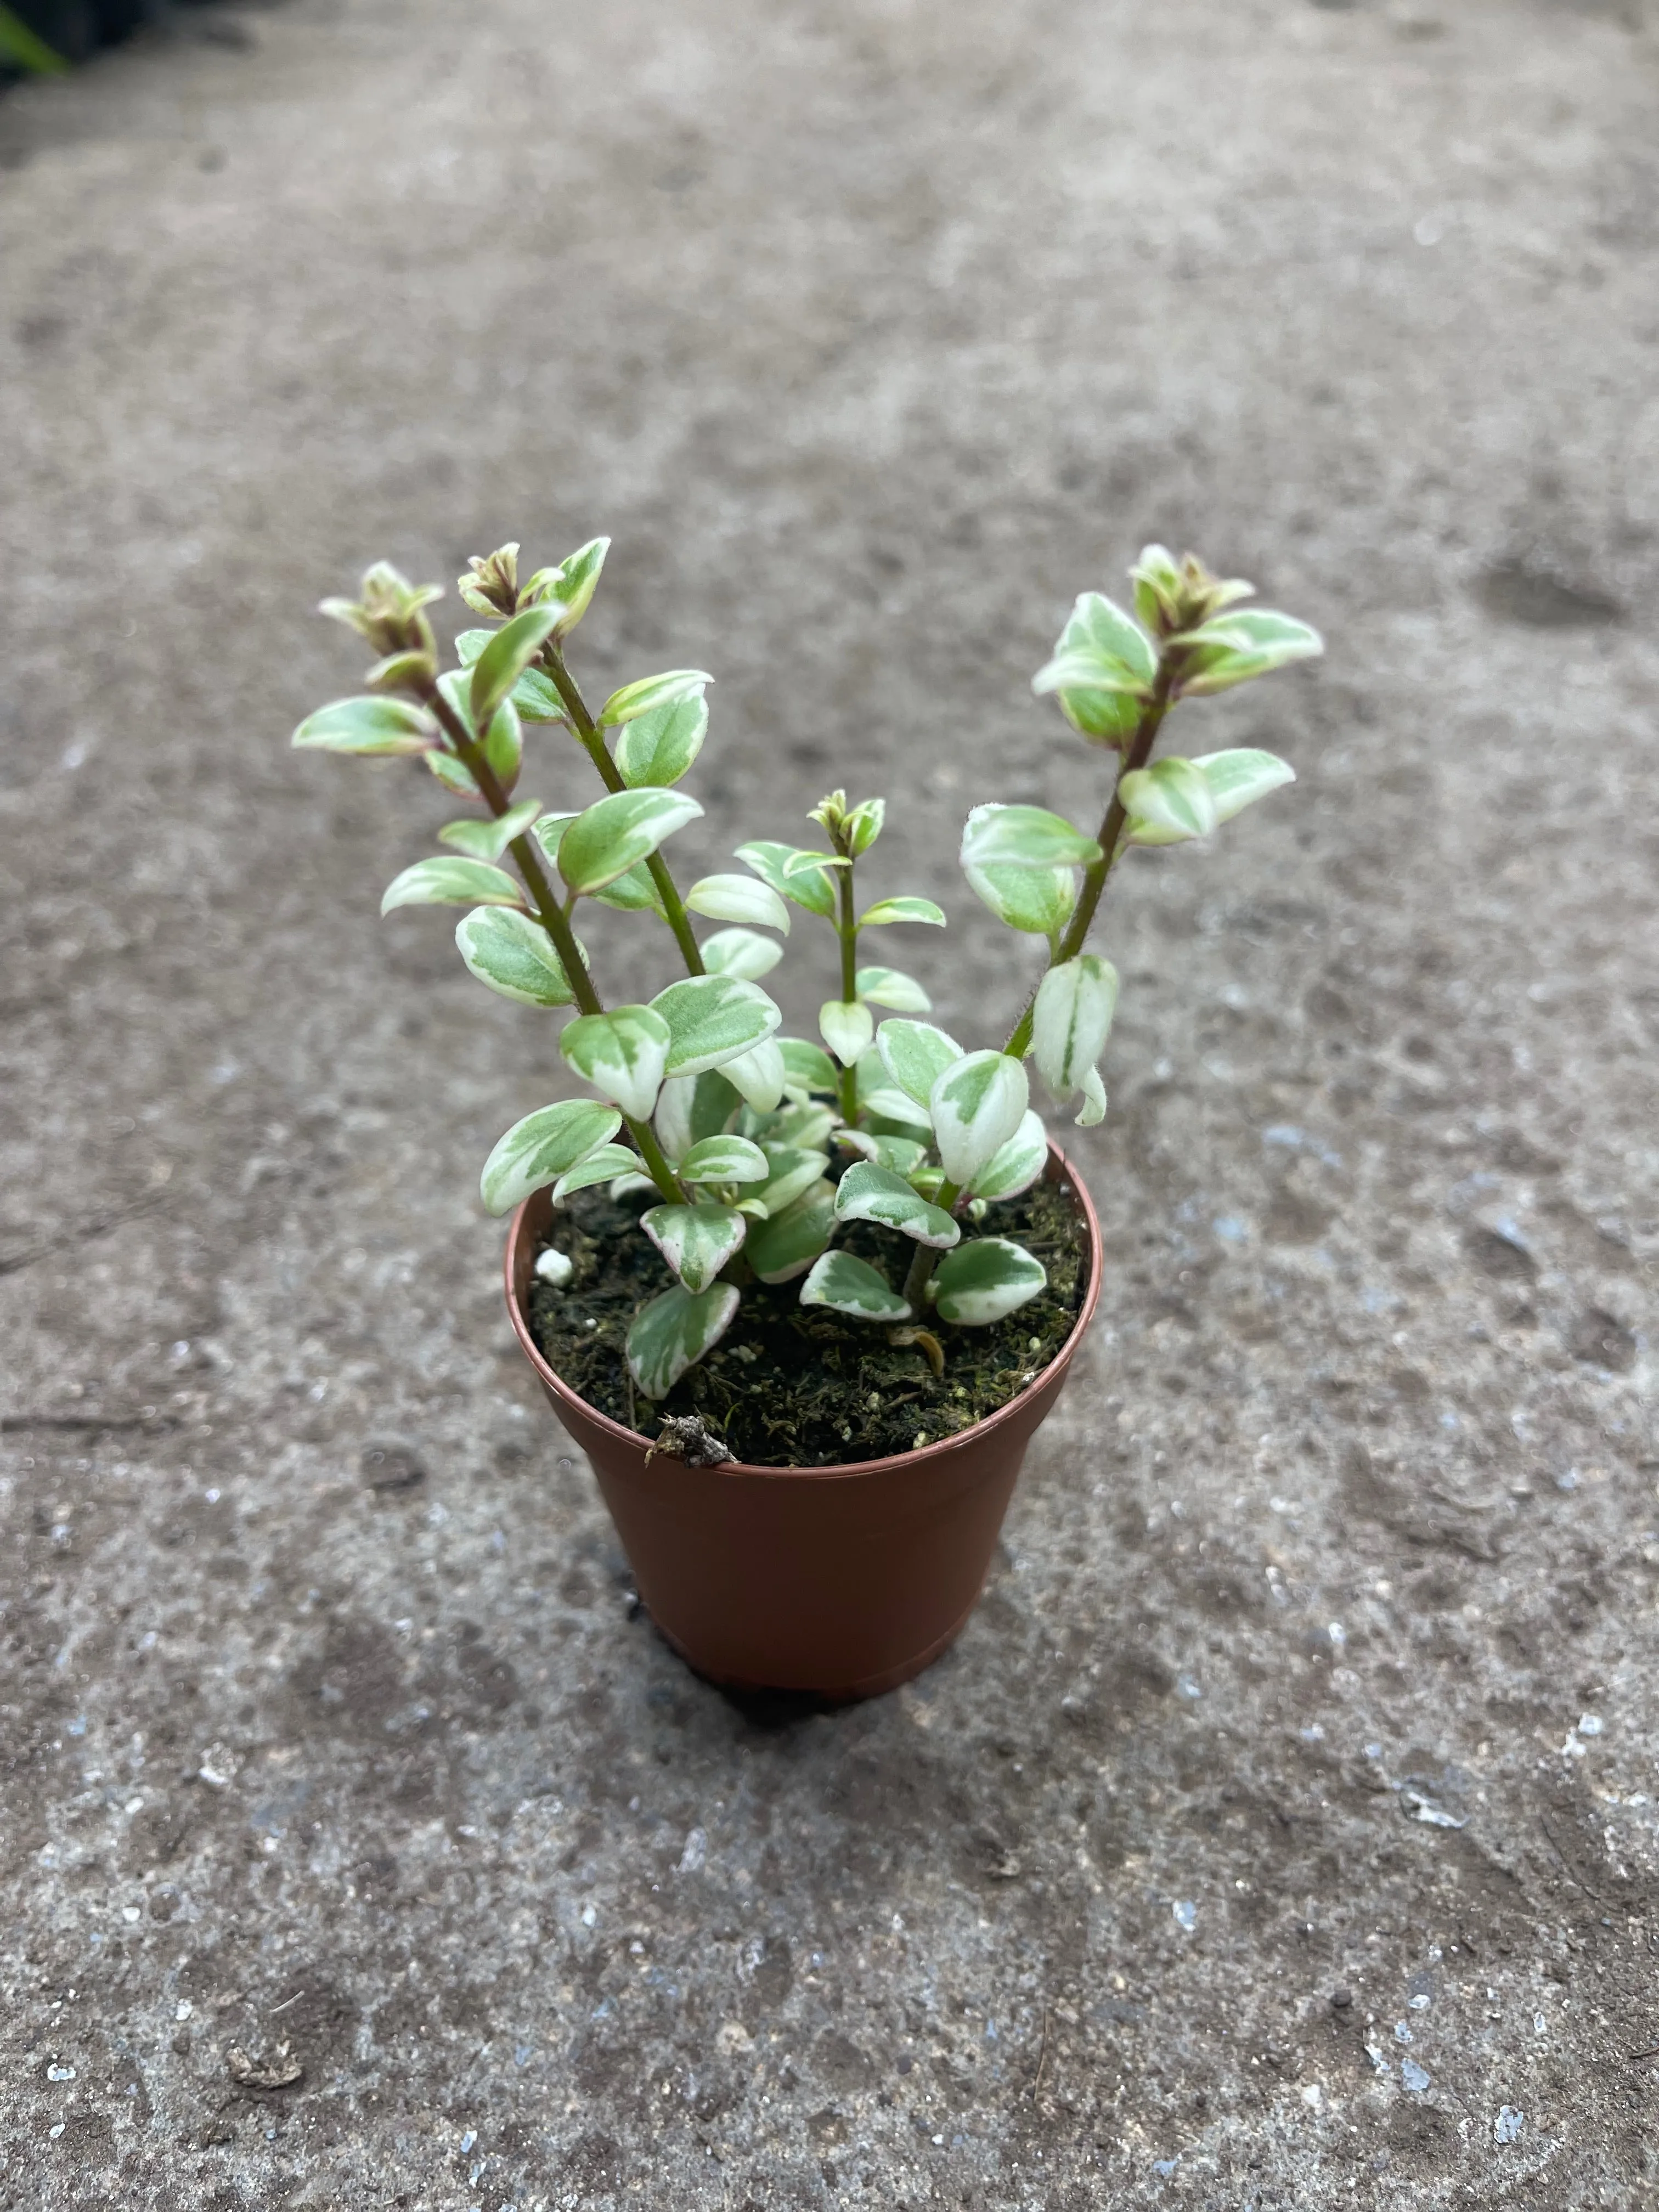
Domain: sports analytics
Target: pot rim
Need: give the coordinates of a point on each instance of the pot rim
(1059, 1167)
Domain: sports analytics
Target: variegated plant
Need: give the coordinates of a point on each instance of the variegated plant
(727, 1127)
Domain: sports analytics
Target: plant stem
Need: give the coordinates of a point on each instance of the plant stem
(592, 738)
(925, 1257)
(552, 918)
(1111, 829)
(846, 929)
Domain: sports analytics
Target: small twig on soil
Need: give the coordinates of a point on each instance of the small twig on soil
(1043, 2055)
(286, 2002)
(1635, 2055)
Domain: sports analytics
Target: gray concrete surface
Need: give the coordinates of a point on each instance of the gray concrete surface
(1281, 1833)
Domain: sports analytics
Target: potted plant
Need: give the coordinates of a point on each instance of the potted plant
(801, 1301)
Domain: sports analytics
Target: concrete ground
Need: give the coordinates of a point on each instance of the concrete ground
(1281, 1832)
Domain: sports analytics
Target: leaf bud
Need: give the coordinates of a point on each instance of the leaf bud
(491, 584)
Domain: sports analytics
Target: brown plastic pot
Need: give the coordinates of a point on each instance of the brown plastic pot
(845, 1581)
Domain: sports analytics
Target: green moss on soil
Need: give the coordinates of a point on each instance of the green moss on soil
(794, 1386)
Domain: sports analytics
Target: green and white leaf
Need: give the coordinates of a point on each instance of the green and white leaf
(976, 1104)
(487, 839)
(741, 899)
(847, 1027)
(712, 1019)
(1242, 643)
(850, 1286)
(985, 1279)
(534, 695)
(1238, 778)
(369, 725)
(1018, 1165)
(692, 1107)
(624, 1054)
(447, 880)
(570, 585)
(505, 659)
(915, 1054)
(502, 742)
(759, 1073)
(674, 1331)
(652, 691)
(1168, 804)
(1038, 901)
(696, 1240)
(867, 1192)
(1023, 837)
(617, 832)
(545, 1146)
(891, 986)
(1103, 668)
(1093, 1108)
(659, 745)
(612, 1163)
(785, 1246)
(1072, 1019)
(791, 1170)
(900, 1156)
(806, 1066)
(808, 887)
(862, 825)
(902, 909)
(741, 952)
(801, 1121)
(724, 1159)
(513, 954)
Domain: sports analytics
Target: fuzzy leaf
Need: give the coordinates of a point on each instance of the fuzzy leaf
(902, 909)
(696, 1240)
(724, 1159)
(850, 1286)
(785, 1246)
(488, 839)
(982, 1280)
(652, 691)
(891, 986)
(1168, 804)
(513, 954)
(1018, 1165)
(692, 1107)
(369, 726)
(623, 1054)
(505, 658)
(617, 832)
(977, 1103)
(542, 1147)
(612, 1163)
(658, 746)
(805, 1067)
(867, 1192)
(915, 1054)
(446, 881)
(712, 1019)
(570, 587)
(1023, 837)
(1072, 1019)
(810, 888)
(741, 953)
(847, 1027)
(738, 898)
(674, 1331)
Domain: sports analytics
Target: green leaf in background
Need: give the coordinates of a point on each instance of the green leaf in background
(738, 898)
(741, 953)
(791, 1170)
(543, 1146)
(616, 833)
(1103, 668)
(369, 725)
(513, 954)
(850, 1286)
(658, 746)
(1070, 1020)
(724, 1159)
(711, 1018)
(488, 839)
(862, 825)
(915, 1054)
(451, 881)
(696, 1240)
(759, 1073)
(982, 1280)
(1023, 837)
(692, 1107)
(806, 1066)
(891, 986)
(785, 1246)
(847, 1027)
(867, 1192)
(902, 909)
(810, 888)
(609, 1164)
(505, 659)
(1240, 644)
(1169, 802)
(20, 47)
(673, 1332)
(977, 1103)
(651, 691)
(623, 1054)
(570, 587)
(1018, 1165)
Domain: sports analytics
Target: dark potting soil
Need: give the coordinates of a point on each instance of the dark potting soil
(791, 1385)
